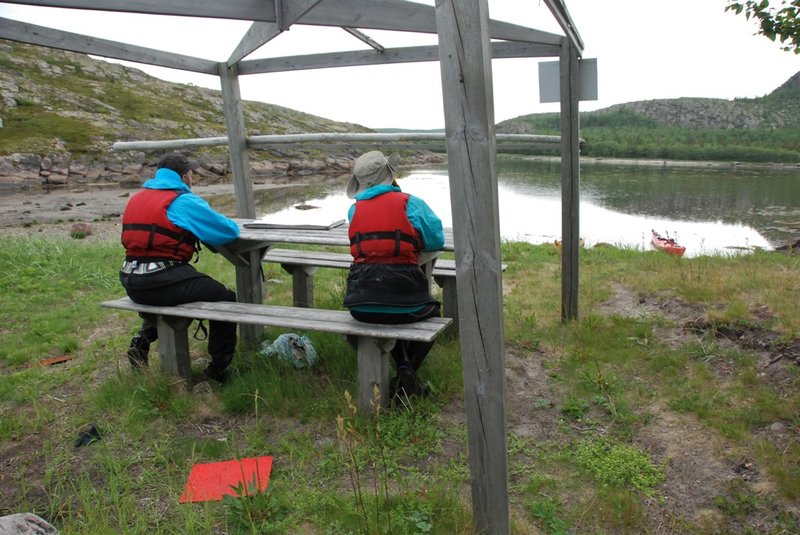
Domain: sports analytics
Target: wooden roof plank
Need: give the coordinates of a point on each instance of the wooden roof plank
(74, 42)
(559, 10)
(261, 33)
(257, 10)
(257, 35)
(353, 58)
(396, 15)
(361, 36)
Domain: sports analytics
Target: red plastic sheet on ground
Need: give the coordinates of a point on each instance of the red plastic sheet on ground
(211, 481)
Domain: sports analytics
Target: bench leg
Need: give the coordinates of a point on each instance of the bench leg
(302, 285)
(373, 371)
(449, 300)
(173, 347)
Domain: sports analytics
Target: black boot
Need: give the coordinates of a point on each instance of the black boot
(138, 352)
(216, 370)
(407, 385)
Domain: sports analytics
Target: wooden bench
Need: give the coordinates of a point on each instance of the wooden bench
(375, 341)
(302, 264)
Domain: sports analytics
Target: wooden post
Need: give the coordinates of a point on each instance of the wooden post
(570, 180)
(249, 286)
(465, 60)
(302, 285)
(449, 300)
(173, 347)
(237, 141)
(373, 371)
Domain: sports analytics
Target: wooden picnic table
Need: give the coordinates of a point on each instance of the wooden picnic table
(247, 252)
(261, 239)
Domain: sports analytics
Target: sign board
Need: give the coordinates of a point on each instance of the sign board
(550, 80)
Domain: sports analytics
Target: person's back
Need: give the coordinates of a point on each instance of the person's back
(388, 231)
(162, 227)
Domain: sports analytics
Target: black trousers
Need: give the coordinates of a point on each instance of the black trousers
(189, 285)
(405, 352)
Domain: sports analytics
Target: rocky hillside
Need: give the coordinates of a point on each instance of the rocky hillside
(60, 113)
(779, 109)
(755, 130)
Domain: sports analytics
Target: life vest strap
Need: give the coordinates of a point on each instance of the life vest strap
(396, 235)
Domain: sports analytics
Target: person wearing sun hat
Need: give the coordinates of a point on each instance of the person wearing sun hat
(388, 231)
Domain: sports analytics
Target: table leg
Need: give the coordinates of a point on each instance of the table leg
(250, 289)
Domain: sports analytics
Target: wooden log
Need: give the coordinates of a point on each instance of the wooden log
(384, 139)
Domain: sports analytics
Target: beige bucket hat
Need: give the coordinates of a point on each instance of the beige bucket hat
(372, 169)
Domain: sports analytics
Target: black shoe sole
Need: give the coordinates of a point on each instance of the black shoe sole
(220, 377)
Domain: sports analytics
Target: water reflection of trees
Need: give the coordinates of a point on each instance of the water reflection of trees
(766, 199)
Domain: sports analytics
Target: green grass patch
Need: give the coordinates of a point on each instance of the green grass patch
(577, 462)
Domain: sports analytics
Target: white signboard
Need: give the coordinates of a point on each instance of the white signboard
(550, 85)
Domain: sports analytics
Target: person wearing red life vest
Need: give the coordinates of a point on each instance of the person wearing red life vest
(388, 231)
(162, 227)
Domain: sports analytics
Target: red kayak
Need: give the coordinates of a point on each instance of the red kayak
(668, 245)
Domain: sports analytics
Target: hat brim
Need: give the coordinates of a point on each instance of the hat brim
(352, 187)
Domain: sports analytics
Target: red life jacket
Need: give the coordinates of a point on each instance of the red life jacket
(147, 232)
(380, 232)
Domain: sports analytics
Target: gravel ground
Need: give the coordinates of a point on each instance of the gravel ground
(55, 211)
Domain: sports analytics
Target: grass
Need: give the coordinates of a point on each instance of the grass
(589, 405)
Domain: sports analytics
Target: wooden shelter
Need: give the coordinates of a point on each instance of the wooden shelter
(467, 42)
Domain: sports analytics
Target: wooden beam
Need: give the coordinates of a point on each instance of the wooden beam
(559, 10)
(415, 54)
(465, 60)
(570, 181)
(249, 286)
(397, 15)
(502, 50)
(263, 10)
(261, 33)
(237, 141)
(361, 36)
(257, 35)
(339, 59)
(39, 35)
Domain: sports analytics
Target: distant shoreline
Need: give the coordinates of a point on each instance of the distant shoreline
(599, 160)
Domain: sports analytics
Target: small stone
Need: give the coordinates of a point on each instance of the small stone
(25, 523)
(80, 230)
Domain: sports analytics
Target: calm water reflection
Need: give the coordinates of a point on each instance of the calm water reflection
(710, 210)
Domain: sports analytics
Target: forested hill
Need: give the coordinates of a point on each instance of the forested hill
(765, 129)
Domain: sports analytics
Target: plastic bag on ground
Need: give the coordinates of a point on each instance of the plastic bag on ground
(292, 348)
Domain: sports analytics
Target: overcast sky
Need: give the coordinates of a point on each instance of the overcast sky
(644, 49)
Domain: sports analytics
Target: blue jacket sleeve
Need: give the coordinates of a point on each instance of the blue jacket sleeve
(426, 222)
(194, 214)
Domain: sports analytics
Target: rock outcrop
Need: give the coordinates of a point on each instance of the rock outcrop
(61, 112)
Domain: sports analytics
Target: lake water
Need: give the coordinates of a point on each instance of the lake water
(709, 210)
